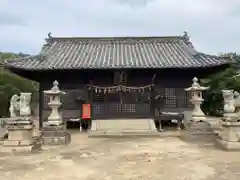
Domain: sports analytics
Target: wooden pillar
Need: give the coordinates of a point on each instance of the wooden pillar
(89, 96)
(41, 105)
(152, 100)
(152, 97)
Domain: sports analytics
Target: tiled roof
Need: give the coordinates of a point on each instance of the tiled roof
(120, 52)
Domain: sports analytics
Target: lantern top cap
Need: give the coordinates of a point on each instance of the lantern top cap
(196, 86)
(55, 89)
(55, 83)
(195, 79)
(55, 86)
(195, 83)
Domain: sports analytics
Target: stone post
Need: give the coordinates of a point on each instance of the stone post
(229, 137)
(54, 130)
(197, 127)
(20, 127)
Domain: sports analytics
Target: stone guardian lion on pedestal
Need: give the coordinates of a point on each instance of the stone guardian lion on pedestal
(14, 106)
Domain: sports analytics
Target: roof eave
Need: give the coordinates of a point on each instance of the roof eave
(109, 68)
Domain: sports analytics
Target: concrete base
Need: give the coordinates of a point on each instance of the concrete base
(198, 132)
(13, 146)
(198, 127)
(17, 149)
(198, 137)
(56, 135)
(123, 127)
(229, 146)
(64, 140)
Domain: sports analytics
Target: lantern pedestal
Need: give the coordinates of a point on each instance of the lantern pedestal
(54, 130)
(56, 135)
(198, 131)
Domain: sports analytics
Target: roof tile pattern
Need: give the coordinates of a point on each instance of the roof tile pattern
(111, 53)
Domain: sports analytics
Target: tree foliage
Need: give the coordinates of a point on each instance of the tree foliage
(11, 84)
(227, 79)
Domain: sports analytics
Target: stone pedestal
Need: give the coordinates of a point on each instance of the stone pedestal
(229, 137)
(200, 131)
(56, 135)
(36, 130)
(20, 136)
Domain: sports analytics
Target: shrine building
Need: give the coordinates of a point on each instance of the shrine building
(119, 77)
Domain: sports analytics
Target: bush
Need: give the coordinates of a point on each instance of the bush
(11, 84)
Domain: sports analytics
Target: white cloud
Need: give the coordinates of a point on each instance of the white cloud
(212, 24)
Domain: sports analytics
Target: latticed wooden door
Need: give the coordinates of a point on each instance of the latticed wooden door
(121, 105)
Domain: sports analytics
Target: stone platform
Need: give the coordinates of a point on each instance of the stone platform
(229, 137)
(20, 136)
(123, 127)
(56, 135)
(198, 131)
(21, 146)
(228, 146)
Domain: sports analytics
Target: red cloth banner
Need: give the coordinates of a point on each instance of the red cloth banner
(86, 111)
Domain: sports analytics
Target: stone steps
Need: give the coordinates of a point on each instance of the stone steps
(102, 134)
(123, 127)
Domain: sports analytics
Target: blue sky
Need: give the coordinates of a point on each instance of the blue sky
(213, 25)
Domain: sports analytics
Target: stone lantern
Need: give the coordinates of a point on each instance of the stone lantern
(197, 100)
(54, 119)
(54, 130)
(197, 128)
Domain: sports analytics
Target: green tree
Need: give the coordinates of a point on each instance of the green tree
(11, 84)
(227, 79)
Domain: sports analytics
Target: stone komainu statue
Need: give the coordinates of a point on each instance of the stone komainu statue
(20, 105)
(24, 104)
(231, 101)
(14, 105)
(237, 101)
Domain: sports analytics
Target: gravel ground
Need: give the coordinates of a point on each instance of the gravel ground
(164, 158)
